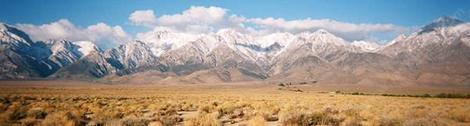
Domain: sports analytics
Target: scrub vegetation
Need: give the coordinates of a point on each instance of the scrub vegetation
(217, 105)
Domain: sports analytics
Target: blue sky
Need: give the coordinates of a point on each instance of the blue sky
(83, 13)
(87, 12)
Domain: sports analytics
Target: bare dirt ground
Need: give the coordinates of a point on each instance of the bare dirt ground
(245, 103)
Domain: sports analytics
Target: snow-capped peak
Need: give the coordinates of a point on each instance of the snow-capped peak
(283, 39)
(397, 39)
(441, 22)
(9, 34)
(57, 45)
(322, 36)
(86, 47)
(162, 40)
(447, 20)
(80, 48)
(365, 46)
(232, 36)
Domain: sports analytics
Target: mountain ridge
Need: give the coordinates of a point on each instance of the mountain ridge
(438, 49)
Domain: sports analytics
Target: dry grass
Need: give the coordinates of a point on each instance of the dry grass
(215, 105)
(204, 119)
(257, 120)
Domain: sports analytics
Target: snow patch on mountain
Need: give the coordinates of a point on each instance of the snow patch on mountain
(163, 40)
(14, 37)
(85, 47)
(321, 38)
(442, 33)
(364, 46)
(442, 22)
(282, 39)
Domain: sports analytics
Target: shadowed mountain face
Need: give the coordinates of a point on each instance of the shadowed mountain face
(438, 54)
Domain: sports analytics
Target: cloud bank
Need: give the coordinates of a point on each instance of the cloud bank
(102, 34)
(143, 17)
(199, 19)
(196, 19)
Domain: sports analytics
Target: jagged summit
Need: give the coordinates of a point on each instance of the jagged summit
(231, 36)
(11, 34)
(447, 20)
(441, 22)
(321, 37)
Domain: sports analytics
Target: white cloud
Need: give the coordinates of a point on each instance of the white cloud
(102, 34)
(143, 17)
(196, 19)
(199, 19)
(195, 16)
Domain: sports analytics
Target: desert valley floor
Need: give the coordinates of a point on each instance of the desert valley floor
(247, 103)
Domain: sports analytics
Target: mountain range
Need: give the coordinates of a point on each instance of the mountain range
(437, 54)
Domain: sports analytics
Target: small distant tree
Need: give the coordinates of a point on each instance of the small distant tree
(441, 95)
(298, 90)
(427, 95)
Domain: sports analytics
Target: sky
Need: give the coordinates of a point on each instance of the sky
(113, 22)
